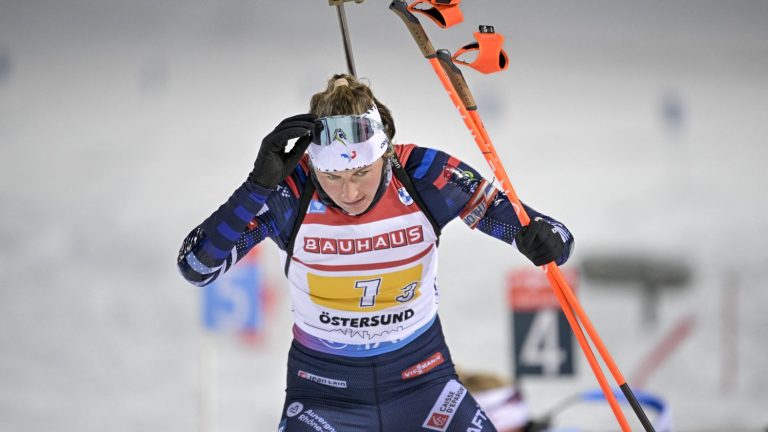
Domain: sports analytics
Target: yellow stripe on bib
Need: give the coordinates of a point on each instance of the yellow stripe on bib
(365, 293)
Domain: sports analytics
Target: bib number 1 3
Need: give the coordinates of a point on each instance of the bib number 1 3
(366, 292)
(371, 290)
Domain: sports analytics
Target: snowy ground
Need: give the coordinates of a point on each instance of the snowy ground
(124, 124)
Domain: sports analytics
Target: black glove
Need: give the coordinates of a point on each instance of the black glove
(539, 242)
(273, 164)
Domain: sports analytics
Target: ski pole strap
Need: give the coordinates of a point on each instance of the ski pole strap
(445, 13)
(490, 54)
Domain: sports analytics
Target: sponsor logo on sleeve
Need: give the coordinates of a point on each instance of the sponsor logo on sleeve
(479, 204)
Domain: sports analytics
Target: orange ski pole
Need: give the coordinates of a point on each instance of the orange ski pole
(558, 282)
(455, 85)
(492, 158)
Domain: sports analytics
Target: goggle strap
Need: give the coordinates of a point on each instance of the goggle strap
(444, 13)
(491, 57)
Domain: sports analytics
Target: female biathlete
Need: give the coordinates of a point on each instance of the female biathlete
(357, 221)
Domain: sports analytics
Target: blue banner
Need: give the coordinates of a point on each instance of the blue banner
(234, 303)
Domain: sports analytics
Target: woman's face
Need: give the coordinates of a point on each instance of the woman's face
(352, 190)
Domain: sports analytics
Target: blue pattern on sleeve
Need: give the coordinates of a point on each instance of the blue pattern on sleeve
(457, 186)
(426, 162)
(249, 216)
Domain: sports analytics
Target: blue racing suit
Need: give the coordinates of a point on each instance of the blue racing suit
(400, 378)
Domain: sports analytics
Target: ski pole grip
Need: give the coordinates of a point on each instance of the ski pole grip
(457, 79)
(400, 7)
(338, 2)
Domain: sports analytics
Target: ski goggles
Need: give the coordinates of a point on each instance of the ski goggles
(348, 142)
(345, 130)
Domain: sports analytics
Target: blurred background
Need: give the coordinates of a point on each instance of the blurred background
(641, 125)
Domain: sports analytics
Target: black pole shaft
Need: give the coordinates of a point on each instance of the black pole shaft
(636, 407)
(345, 38)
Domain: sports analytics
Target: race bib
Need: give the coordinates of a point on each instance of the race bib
(365, 293)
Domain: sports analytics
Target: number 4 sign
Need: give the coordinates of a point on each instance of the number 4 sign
(543, 342)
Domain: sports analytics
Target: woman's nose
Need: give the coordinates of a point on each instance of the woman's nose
(349, 191)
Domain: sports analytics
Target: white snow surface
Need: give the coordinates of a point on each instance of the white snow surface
(124, 124)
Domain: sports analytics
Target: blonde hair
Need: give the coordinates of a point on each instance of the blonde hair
(346, 95)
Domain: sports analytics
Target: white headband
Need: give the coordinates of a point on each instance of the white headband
(339, 155)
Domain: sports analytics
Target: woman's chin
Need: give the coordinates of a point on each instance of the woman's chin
(356, 209)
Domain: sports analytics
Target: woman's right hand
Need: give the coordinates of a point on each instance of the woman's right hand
(274, 164)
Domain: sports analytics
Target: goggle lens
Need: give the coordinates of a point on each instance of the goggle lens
(345, 129)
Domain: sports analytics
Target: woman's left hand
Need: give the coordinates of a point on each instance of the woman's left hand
(539, 242)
